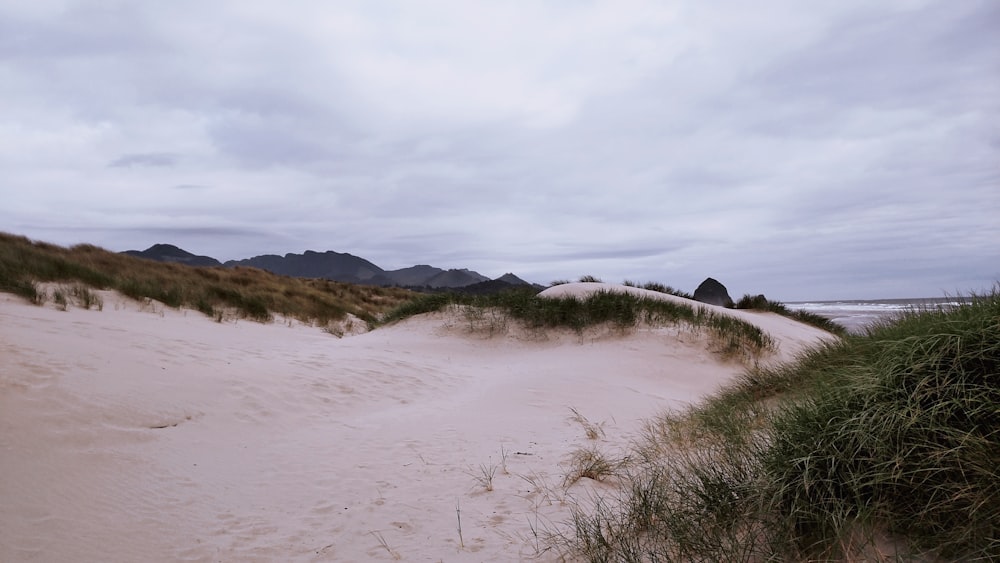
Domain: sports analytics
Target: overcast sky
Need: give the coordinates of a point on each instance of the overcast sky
(805, 150)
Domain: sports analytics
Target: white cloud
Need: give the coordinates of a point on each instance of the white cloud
(801, 147)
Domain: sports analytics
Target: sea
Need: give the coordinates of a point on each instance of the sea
(855, 315)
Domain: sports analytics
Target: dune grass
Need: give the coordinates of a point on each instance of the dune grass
(730, 337)
(880, 446)
(246, 292)
(761, 303)
(660, 288)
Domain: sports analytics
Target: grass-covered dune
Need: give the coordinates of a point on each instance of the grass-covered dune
(729, 336)
(247, 292)
(879, 446)
(761, 303)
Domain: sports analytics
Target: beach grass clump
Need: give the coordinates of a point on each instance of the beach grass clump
(485, 476)
(85, 297)
(60, 298)
(591, 463)
(661, 288)
(593, 430)
(215, 291)
(912, 437)
(882, 446)
(761, 303)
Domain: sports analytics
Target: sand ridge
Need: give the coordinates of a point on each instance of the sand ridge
(146, 433)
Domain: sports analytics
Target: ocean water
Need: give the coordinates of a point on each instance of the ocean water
(856, 315)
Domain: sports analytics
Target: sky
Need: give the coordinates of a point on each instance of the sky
(831, 149)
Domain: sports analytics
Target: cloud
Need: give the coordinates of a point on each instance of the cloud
(806, 148)
(155, 159)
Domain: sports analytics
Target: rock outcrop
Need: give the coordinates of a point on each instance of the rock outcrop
(714, 293)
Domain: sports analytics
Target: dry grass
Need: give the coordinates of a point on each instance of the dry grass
(591, 463)
(251, 293)
(591, 429)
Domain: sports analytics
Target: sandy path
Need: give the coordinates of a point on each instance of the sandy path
(159, 435)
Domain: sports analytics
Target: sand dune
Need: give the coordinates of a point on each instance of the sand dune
(139, 433)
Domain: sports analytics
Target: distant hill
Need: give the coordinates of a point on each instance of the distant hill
(170, 253)
(328, 265)
(512, 279)
(337, 266)
(456, 278)
(414, 276)
(506, 282)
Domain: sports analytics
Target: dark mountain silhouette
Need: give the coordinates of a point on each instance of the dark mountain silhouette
(170, 253)
(456, 278)
(414, 276)
(336, 266)
(329, 265)
(512, 279)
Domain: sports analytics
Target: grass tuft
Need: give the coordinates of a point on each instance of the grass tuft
(86, 297)
(590, 463)
(485, 476)
(60, 298)
(593, 430)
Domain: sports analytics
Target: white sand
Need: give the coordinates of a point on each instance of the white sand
(160, 435)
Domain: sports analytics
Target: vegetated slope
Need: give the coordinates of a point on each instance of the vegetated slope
(880, 446)
(733, 334)
(761, 303)
(253, 293)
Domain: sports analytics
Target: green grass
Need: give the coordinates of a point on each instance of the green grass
(880, 446)
(761, 303)
(216, 292)
(731, 337)
(660, 288)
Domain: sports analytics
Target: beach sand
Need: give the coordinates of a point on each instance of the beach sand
(144, 433)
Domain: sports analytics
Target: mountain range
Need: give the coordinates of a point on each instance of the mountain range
(343, 267)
